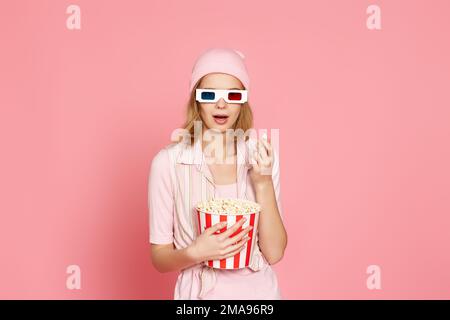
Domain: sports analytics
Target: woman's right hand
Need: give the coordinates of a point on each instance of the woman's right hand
(212, 246)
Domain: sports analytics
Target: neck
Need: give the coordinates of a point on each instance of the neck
(217, 146)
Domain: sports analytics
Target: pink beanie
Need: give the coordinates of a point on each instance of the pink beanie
(228, 61)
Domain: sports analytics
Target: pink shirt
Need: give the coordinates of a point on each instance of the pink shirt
(179, 179)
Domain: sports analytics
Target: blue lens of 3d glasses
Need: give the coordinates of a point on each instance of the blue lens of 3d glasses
(208, 95)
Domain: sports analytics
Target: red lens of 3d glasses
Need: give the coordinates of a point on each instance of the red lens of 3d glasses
(234, 96)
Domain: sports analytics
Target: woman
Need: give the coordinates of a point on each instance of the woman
(183, 174)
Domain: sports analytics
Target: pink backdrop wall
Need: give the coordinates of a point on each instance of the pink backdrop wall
(364, 135)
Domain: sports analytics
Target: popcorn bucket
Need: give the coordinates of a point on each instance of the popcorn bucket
(207, 217)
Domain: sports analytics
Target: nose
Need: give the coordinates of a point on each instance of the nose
(221, 103)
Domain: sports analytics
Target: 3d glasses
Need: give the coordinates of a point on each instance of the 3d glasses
(214, 95)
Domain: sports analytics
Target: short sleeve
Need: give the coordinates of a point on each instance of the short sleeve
(276, 180)
(160, 199)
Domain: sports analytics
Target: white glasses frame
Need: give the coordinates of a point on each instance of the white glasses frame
(221, 93)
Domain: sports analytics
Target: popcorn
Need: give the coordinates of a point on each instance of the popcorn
(228, 206)
(216, 210)
(264, 136)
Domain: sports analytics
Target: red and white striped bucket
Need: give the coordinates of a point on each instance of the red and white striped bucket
(243, 258)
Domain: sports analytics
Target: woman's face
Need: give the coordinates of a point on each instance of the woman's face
(208, 111)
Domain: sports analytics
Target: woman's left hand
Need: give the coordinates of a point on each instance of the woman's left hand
(261, 170)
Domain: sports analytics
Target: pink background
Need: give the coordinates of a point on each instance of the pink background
(364, 134)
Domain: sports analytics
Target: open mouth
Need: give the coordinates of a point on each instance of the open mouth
(220, 119)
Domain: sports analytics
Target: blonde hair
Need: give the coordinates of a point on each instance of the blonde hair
(244, 120)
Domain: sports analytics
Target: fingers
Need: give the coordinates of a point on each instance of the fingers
(261, 160)
(238, 237)
(216, 227)
(233, 229)
(253, 155)
(256, 157)
(268, 147)
(234, 249)
(262, 149)
(255, 163)
(264, 153)
(232, 254)
(264, 157)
